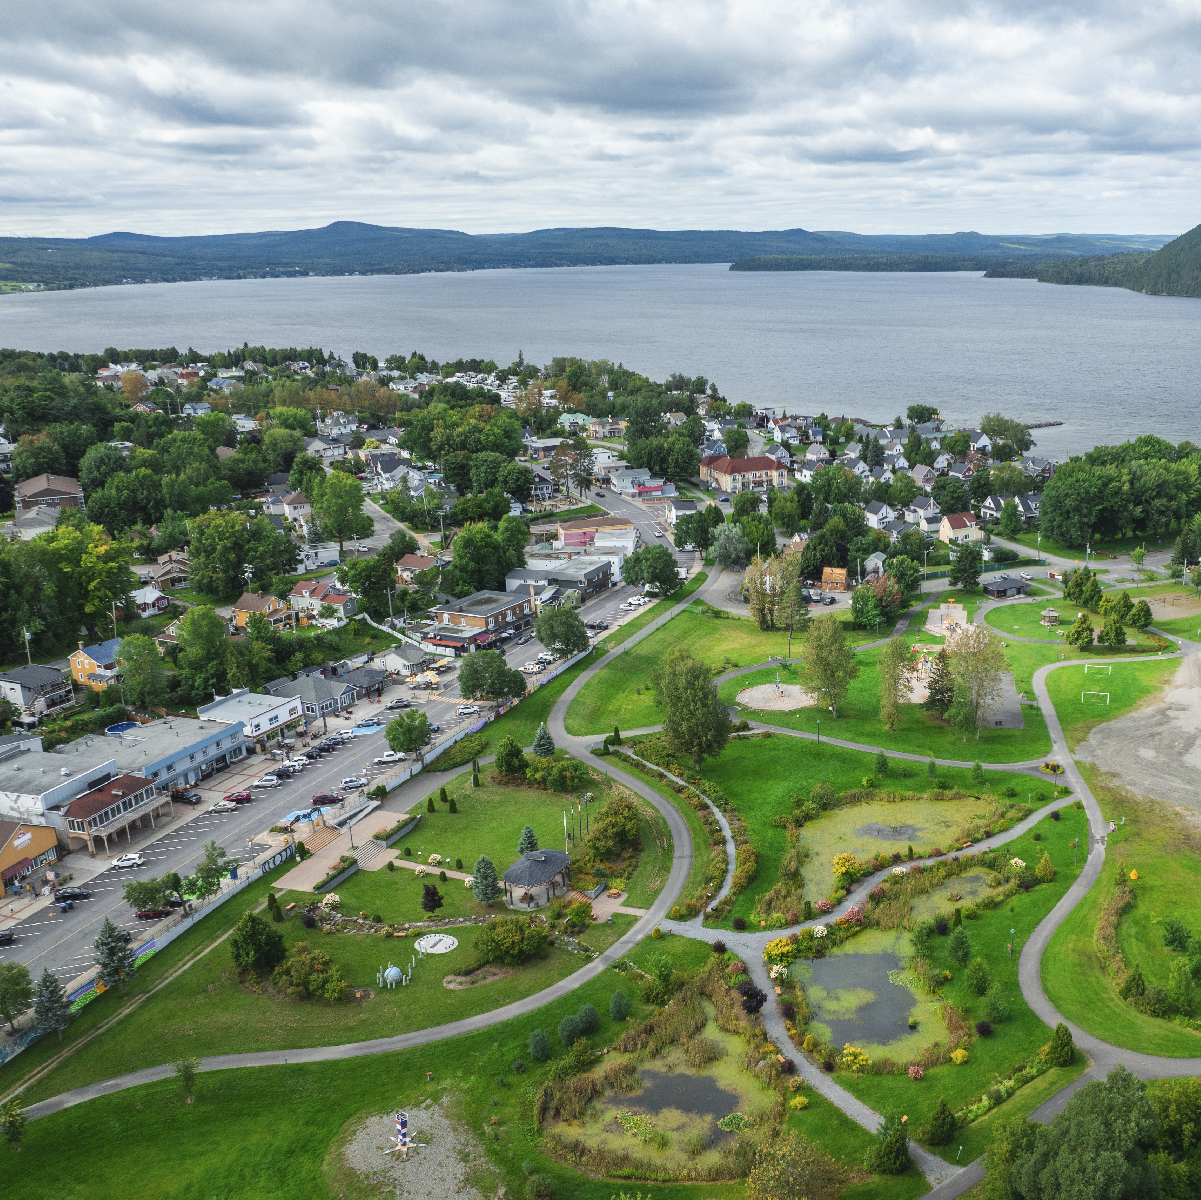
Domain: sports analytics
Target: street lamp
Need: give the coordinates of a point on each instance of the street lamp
(819, 729)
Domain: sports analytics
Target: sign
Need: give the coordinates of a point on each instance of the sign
(23, 838)
(436, 943)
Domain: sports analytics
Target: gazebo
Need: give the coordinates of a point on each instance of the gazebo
(1049, 617)
(549, 869)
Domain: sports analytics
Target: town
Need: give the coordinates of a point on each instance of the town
(571, 675)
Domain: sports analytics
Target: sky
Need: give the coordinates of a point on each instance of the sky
(878, 116)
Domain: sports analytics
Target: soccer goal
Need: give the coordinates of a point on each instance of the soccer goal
(1106, 667)
(1094, 697)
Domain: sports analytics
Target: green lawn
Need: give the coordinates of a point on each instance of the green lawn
(1018, 1038)
(1021, 619)
(757, 775)
(1165, 849)
(1109, 548)
(653, 612)
(268, 1131)
(620, 692)
(916, 731)
(1128, 686)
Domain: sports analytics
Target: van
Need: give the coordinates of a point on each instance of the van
(546, 657)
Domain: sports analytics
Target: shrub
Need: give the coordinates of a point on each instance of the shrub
(570, 1029)
(977, 976)
(881, 763)
(822, 796)
(971, 913)
(391, 865)
(1045, 871)
(308, 972)
(808, 910)
(1058, 1051)
(957, 918)
(959, 1057)
(739, 922)
(656, 933)
(589, 1019)
(453, 807)
(377, 919)
(429, 805)
(1055, 815)
(619, 1006)
(1155, 1002)
(718, 947)
(995, 1007)
(984, 1029)
(308, 920)
(458, 864)
(890, 1153)
(915, 1072)
(959, 949)
(539, 1045)
(1036, 836)
(408, 852)
(537, 1187)
(942, 1124)
(1134, 984)
(1176, 935)
(941, 927)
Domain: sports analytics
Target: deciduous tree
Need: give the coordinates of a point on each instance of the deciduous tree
(255, 946)
(978, 665)
(561, 629)
(731, 550)
(895, 664)
(653, 567)
(142, 672)
(408, 732)
(966, 567)
(16, 991)
(340, 509)
(829, 662)
(211, 869)
(695, 722)
(792, 1168)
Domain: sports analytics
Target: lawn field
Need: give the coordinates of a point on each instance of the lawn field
(259, 1133)
(1118, 546)
(916, 731)
(1021, 619)
(1165, 849)
(758, 775)
(1129, 686)
(620, 692)
(1015, 1040)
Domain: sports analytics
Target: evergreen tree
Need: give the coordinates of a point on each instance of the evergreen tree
(544, 744)
(1090, 595)
(485, 886)
(539, 1045)
(112, 957)
(52, 1010)
(1060, 1053)
(1112, 633)
(942, 686)
(431, 898)
(620, 1004)
(429, 805)
(442, 795)
(509, 758)
(942, 1124)
(994, 1006)
(931, 769)
(977, 976)
(528, 842)
(1081, 632)
(959, 949)
(1134, 985)
(255, 946)
(616, 736)
(890, 1153)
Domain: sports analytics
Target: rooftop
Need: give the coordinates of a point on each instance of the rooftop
(105, 796)
(479, 603)
(536, 868)
(142, 748)
(34, 774)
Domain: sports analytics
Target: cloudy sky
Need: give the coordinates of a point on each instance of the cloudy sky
(872, 115)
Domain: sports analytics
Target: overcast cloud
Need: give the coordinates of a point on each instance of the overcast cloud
(891, 116)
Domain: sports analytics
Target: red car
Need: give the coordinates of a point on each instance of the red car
(327, 798)
(238, 797)
(153, 914)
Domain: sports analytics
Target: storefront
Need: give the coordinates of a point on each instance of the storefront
(24, 851)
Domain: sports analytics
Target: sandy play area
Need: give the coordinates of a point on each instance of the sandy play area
(776, 697)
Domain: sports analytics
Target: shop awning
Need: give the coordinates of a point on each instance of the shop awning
(18, 868)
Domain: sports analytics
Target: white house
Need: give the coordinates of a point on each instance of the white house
(878, 513)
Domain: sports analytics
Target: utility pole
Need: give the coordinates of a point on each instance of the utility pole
(28, 637)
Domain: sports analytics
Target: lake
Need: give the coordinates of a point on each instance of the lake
(1107, 362)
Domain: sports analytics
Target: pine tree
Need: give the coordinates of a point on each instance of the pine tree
(539, 1045)
(977, 773)
(931, 769)
(959, 949)
(616, 736)
(942, 685)
(890, 1153)
(1134, 986)
(442, 794)
(942, 1124)
(544, 744)
(112, 957)
(1045, 871)
(485, 886)
(454, 808)
(528, 842)
(51, 1009)
(431, 898)
(1061, 1049)
(429, 805)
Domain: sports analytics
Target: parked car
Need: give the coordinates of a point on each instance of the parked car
(153, 914)
(299, 764)
(327, 798)
(72, 893)
(1027, 575)
(390, 756)
(188, 797)
(223, 806)
(6, 936)
(467, 710)
(353, 781)
(532, 668)
(601, 494)
(723, 499)
(830, 600)
(127, 862)
(395, 704)
(238, 797)
(602, 624)
(267, 781)
(626, 607)
(434, 728)
(369, 723)
(528, 638)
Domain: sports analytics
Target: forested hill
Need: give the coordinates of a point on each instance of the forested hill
(1173, 270)
(350, 247)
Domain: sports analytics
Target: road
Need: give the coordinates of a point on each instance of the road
(63, 941)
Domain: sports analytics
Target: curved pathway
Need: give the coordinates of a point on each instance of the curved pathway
(949, 1181)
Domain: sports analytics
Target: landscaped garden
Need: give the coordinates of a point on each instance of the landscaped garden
(1127, 920)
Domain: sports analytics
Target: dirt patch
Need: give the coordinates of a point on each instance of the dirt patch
(776, 697)
(483, 975)
(447, 1163)
(1156, 750)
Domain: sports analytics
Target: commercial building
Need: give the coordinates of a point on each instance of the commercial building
(115, 807)
(23, 849)
(35, 784)
(587, 574)
(579, 535)
(178, 751)
(261, 717)
(478, 619)
(744, 474)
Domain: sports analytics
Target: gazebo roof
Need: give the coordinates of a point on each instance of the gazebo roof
(1049, 612)
(536, 868)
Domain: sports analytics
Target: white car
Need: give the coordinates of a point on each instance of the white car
(126, 861)
(267, 781)
(1027, 575)
(390, 756)
(298, 764)
(467, 710)
(532, 668)
(353, 781)
(224, 806)
(627, 607)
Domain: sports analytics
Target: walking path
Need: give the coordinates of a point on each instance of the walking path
(947, 1180)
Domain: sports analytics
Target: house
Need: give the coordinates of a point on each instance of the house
(959, 527)
(310, 594)
(30, 524)
(145, 406)
(34, 783)
(96, 666)
(478, 619)
(261, 717)
(1003, 586)
(35, 689)
(244, 424)
(321, 696)
(24, 847)
(713, 449)
(278, 614)
(882, 475)
(197, 408)
(923, 476)
(878, 513)
(677, 508)
(224, 452)
(171, 571)
(6, 455)
(961, 471)
(607, 428)
(149, 600)
(573, 422)
(921, 507)
(834, 579)
(296, 507)
(324, 447)
(874, 564)
(980, 442)
(403, 659)
(856, 466)
(1035, 467)
(541, 449)
(942, 464)
(587, 574)
(366, 680)
(49, 491)
(808, 470)
(816, 452)
(744, 474)
(411, 564)
(895, 529)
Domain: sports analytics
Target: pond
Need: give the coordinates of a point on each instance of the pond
(888, 833)
(852, 996)
(672, 1098)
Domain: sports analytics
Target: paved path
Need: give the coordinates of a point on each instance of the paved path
(948, 1181)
